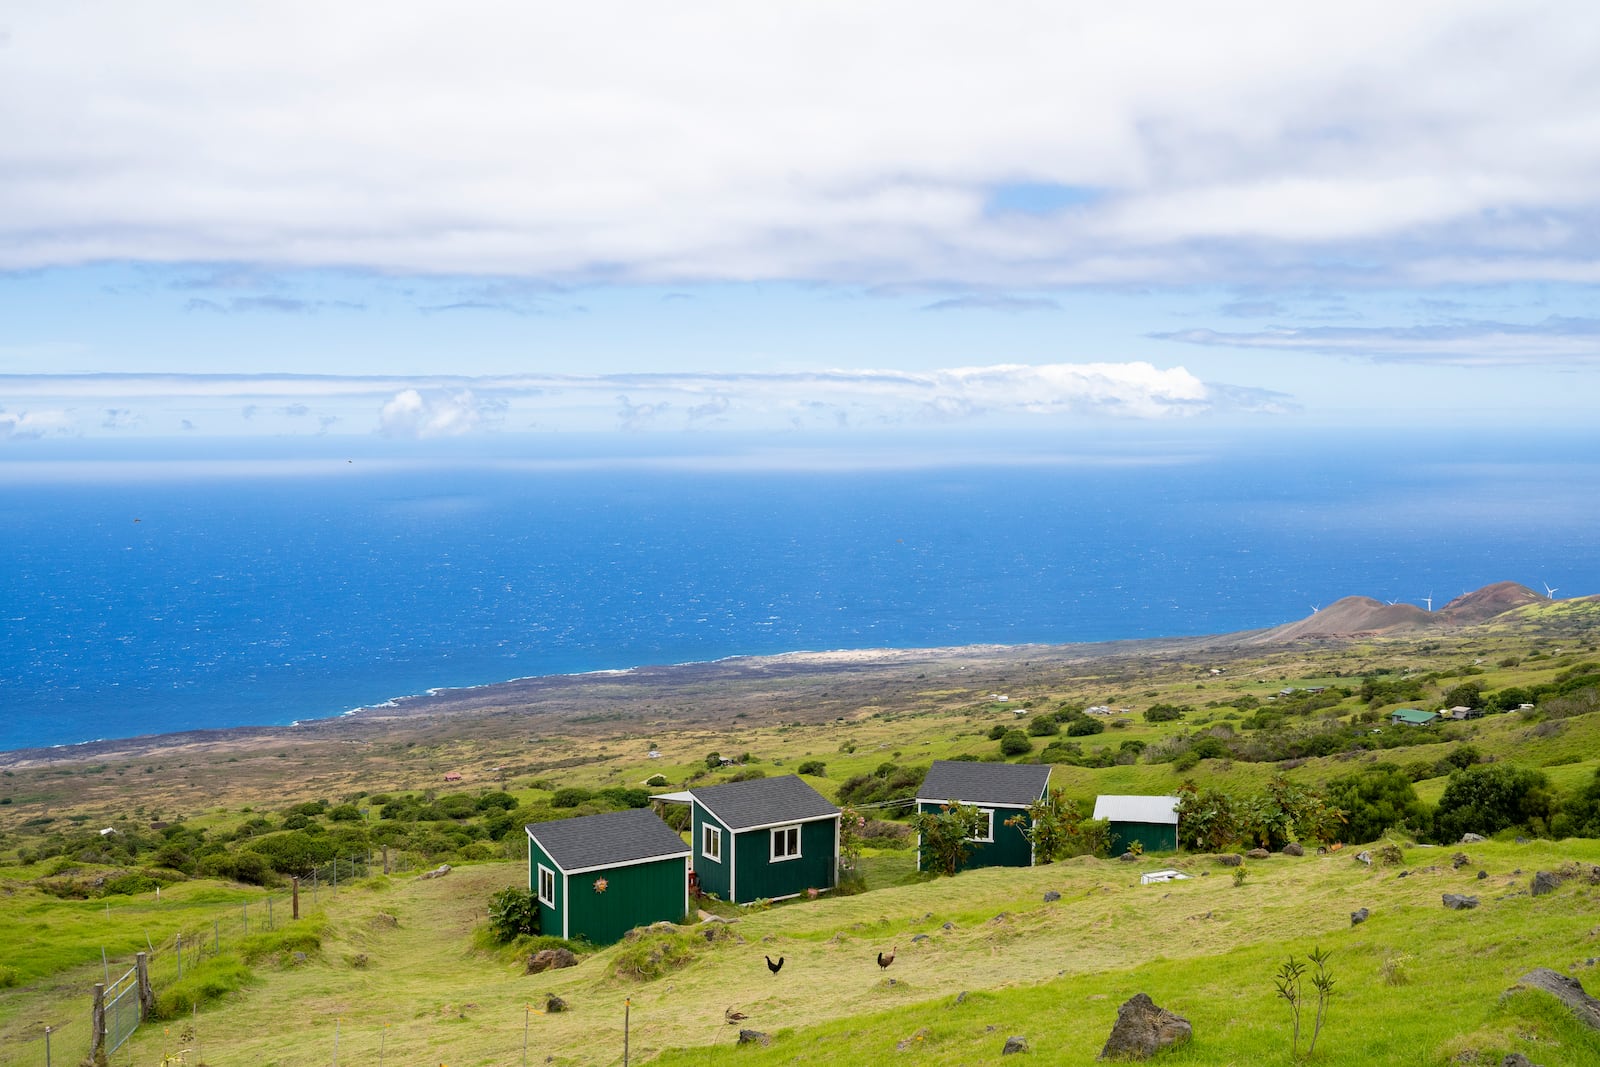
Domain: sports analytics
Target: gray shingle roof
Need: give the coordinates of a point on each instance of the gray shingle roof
(763, 802)
(1012, 784)
(607, 840)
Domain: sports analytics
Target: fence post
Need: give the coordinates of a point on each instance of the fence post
(244, 909)
(295, 882)
(179, 950)
(216, 937)
(385, 859)
(97, 1025)
(147, 994)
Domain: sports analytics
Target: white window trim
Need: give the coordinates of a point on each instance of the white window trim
(988, 813)
(772, 853)
(548, 901)
(711, 836)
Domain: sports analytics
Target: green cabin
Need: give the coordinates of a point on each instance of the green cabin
(999, 791)
(599, 876)
(1412, 717)
(1151, 821)
(768, 838)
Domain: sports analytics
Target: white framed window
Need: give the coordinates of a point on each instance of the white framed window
(547, 886)
(711, 842)
(985, 829)
(786, 843)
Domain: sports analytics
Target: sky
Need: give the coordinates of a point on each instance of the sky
(469, 222)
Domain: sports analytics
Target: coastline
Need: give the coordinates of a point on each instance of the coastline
(569, 696)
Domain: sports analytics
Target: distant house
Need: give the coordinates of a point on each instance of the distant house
(765, 839)
(1461, 712)
(1151, 821)
(1411, 717)
(999, 791)
(599, 876)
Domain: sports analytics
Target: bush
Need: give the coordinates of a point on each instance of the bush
(206, 981)
(1015, 743)
(653, 955)
(1043, 726)
(570, 797)
(814, 767)
(1376, 800)
(997, 731)
(1165, 712)
(1084, 726)
(513, 913)
(1489, 798)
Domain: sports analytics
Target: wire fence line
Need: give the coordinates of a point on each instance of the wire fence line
(223, 928)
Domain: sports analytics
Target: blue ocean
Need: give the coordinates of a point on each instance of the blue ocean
(150, 594)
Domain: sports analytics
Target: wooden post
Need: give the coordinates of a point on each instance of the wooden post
(97, 1025)
(147, 994)
(626, 1004)
(180, 957)
(385, 859)
(295, 882)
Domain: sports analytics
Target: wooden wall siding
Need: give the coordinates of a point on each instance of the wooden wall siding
(759, 877)
(1010, 847)
(635, 895)
(1154, 836)
(549, 918)
(714, 877)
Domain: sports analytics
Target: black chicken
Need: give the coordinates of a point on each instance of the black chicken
(774, 967)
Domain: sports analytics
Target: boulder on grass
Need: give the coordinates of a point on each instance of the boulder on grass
(1567, 990)
(1014, 1044)
(1230, 859)
(753, 1037)
(1259, 854)
(1143, 1029)
(1294, 848)
(551, 959)
(1359, 916)
(1457, 902)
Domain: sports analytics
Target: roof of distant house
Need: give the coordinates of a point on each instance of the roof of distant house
(1412, 715)
(1009, 784)
(1137, 809)
(607, 840)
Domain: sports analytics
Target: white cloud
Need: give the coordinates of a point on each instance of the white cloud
(842, 142)
(29, 425)
(410, 414)
(449, 406)
(1555, 340)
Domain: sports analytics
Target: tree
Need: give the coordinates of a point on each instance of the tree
(1015, 743)
(1580, 815)
(1206, 821)
(1375, 800)
(1043, 726)
(946, 834)
(1165, 712)
(1492, 797)
(1057, 829)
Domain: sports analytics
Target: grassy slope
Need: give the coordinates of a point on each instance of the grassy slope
(1054, 972)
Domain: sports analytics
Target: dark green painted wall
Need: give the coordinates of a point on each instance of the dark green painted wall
(549, 918)
(1010, 847)
(759, 877)
(1153, 836)
(636, 895)
(714, 877)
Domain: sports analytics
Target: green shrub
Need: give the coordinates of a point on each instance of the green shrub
(653, 955)
(205, 982)
(1043, 726)
(513, 913)
(570, 797)
(814, 767)
(1015, 743)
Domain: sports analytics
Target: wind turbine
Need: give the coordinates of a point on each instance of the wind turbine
(1394, 601)
(1549, 592)
(1315, 608)
(1429, 601)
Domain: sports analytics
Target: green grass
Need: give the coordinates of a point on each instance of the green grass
(1053, 972)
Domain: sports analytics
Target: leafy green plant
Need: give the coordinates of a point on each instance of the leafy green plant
(1288, 983)
(1240, 874)
(945, 835)
(513, 912)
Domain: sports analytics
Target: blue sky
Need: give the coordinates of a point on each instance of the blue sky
(262, 221)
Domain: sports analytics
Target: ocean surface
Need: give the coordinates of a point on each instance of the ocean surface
(140, 598)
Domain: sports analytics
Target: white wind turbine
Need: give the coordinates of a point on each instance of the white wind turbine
(1548, 591)
(1428, 600)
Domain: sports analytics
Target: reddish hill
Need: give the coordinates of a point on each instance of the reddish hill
(1362, 616)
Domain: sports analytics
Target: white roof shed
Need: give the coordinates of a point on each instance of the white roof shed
(1137, 809)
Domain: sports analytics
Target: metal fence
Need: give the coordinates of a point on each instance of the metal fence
(124, 1009)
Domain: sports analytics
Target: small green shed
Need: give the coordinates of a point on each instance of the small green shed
(599, 876)
(1411, 717)
(999, 791)
(768, 838)
(1151, 821)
